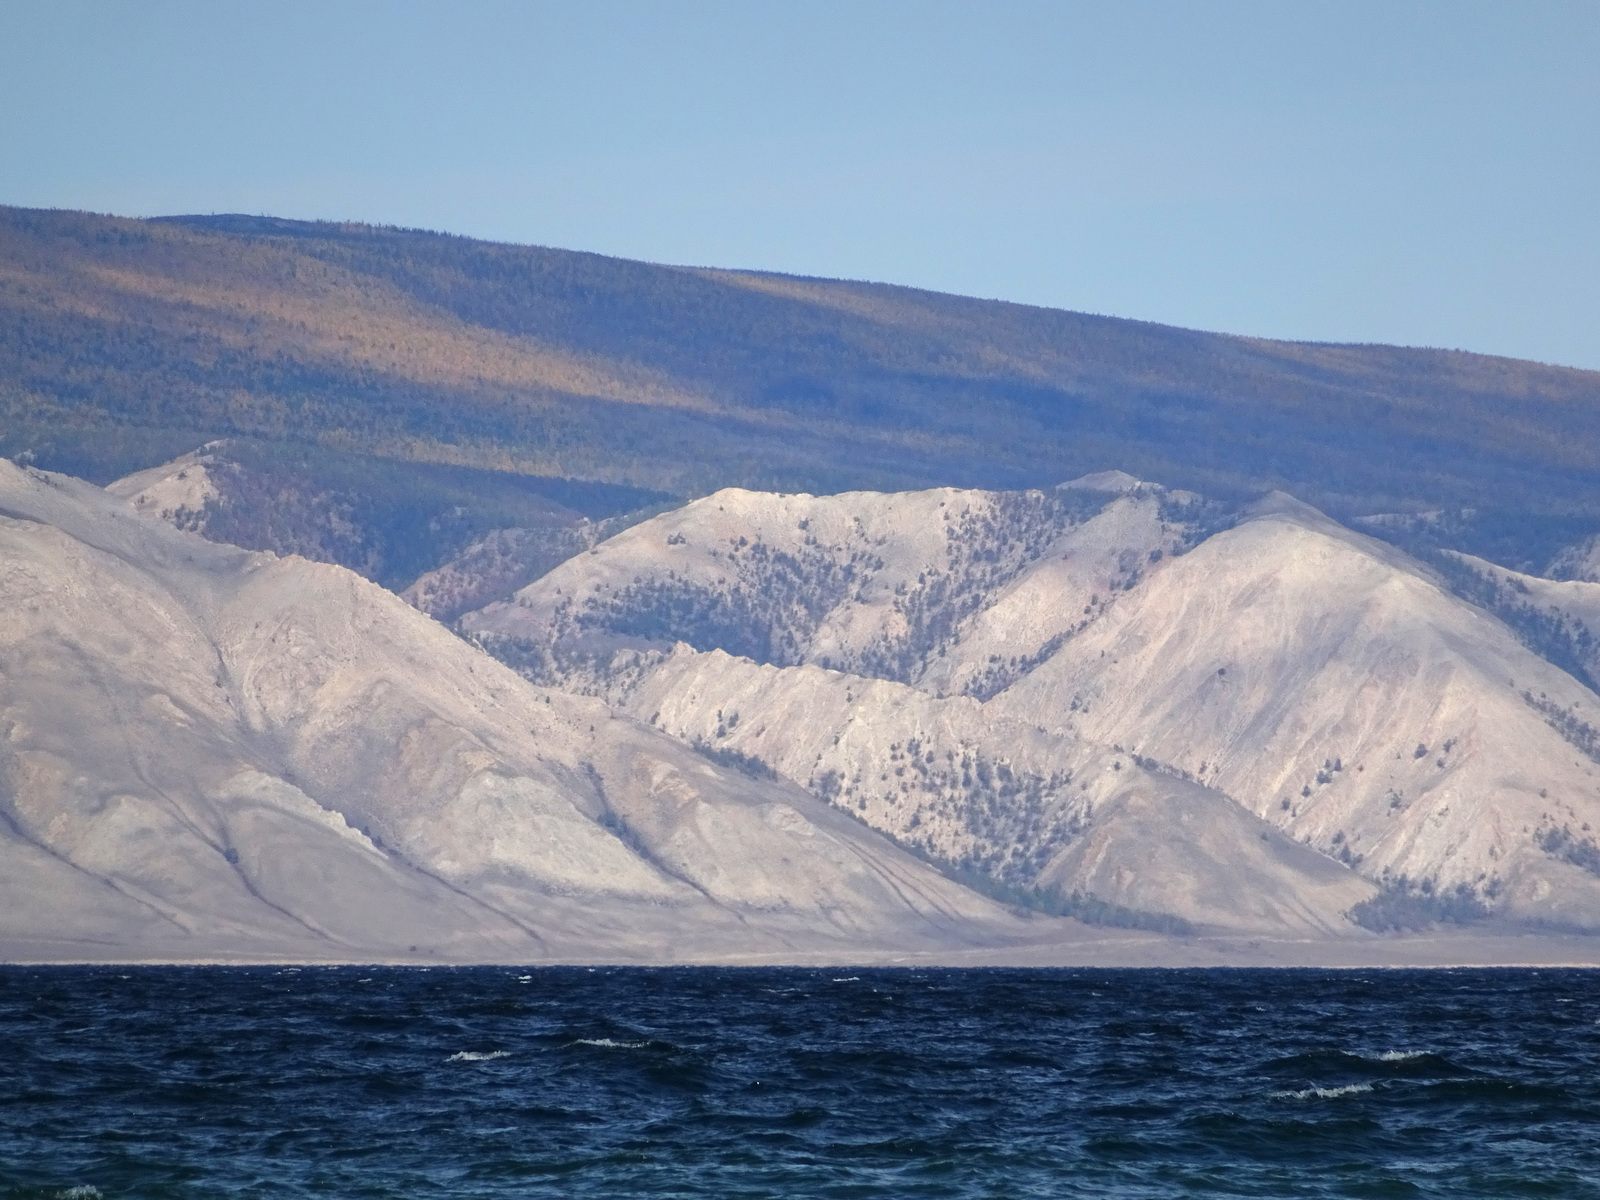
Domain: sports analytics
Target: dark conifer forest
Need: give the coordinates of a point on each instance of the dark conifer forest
(475, 379)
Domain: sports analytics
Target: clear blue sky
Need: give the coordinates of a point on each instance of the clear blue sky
(1427, 174)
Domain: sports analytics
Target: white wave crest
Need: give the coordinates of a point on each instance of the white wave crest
(476, 1055)
(1316, 1093)
(849, 979)
(84, 1191)
(608, 1044)
(1399, 1055)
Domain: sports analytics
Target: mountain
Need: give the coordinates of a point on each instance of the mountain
(1109, 698)
(360, 361)
(733, 616)
(1580, 561)
(208, 753)
(212, 753)
(1558, 618)
(395, 527)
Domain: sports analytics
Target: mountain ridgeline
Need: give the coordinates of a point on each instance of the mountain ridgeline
(1114, 700)
(353, 359)
(762, 625)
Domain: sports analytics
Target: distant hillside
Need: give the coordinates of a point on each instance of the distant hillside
(215, 755)
(1113, 701)
(124, 343)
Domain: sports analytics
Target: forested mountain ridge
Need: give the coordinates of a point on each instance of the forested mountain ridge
(126, 342)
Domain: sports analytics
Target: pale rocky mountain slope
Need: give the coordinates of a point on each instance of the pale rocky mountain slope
(1558, 618)
(1335, 688)
(176, 491)
(872, 583)
(207, 752)
(1180, 696)
(1005, 797)
(1579, 562)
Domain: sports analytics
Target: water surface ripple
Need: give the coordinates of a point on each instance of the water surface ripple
(497, 1082)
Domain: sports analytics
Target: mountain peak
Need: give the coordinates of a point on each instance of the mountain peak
(1117, 482)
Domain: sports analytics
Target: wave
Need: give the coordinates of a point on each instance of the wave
(608, 1044)
(849, 979)
(1317, 1062)
(477, 1055)
(1317, 1093)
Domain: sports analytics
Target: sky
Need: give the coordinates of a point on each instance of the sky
(1414, 173)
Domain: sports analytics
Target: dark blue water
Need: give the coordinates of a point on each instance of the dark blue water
(211, 1082)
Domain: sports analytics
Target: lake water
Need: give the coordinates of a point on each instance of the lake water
(496, 1082)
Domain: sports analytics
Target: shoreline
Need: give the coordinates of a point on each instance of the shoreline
(1509, 951)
